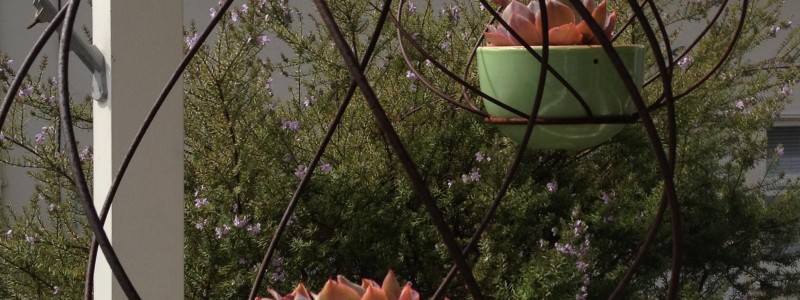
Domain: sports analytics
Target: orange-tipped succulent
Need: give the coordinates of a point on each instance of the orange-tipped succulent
(564, 24)
(343, 289)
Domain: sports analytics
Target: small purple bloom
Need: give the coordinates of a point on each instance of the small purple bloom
(606, 197)
(26, 91)
(309, 101)
(263, 39)
(85, 154)
(581, 265)
(9, 233)
(412, 8)
(240, 221)
(475, 175)
(52, 207)
(2, 137)
(254, 229)
(686, 62)
(200, 202)
(479, 156)
(444, 45)
(450, 183)
(56, 290)
(245, 8)
(301, 171)
(326, 168)
(202, 224)
(774, 29)
(213, 12)
(411, 75)
(552, 186)
(222, 231)
(786, 90)
(30, 239)
(779, 150)
(739, 104)
(39, 137)
(192, 40)
(290, 125)
(428, 63)
(234, 16)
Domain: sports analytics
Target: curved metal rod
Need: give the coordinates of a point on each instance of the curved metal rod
(5, 107)
(72, 151)
(696, 40)
(536, 55)
(636, 97)
(672, 201)
(140, 135)
(383, 122)
(447, 72)
(334, 125)
(421, 77)
(512, 171)
(731, 47)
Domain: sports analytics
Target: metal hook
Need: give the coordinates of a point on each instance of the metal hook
(91, 57)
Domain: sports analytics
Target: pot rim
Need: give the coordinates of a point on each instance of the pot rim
(499, 48)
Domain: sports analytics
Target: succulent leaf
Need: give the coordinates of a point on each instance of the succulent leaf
(390, 286)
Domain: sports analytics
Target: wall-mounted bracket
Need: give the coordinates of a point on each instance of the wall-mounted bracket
(87, 53)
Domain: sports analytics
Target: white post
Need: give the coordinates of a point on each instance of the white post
(142, 44)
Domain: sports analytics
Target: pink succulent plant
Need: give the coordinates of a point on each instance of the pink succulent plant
(564, 25)
(343, 289)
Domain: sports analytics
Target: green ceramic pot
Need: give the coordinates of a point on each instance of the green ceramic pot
(511, 75)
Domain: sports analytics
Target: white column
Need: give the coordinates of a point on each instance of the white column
(142, 43)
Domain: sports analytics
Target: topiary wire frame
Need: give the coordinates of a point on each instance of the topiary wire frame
(664, 153)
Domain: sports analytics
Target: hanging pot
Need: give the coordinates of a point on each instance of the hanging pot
(511, 75)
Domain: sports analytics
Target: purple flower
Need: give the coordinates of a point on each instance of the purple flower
(581, 265)
(192, 40)
(213, 12)
(444, 45)
(240, 222)
(326, 168)
(739, 104)
(411, 75)
(774, 29)
(450, 183)
(85, 154)
(52, 207)
(263, 39)
(290, 125)
(779, 150)
(200, 202)
(254, 229)
(309, 101)
(479, 156)
(475, 174)
(606, 197)
(11, 61)
(2, 137)
(222, 231)
(26, 91)
(301, 171)
(428, 63)
(786, 90)
(200, 225)
(278, 277)
(234, 16)
(245, 8)
(9, 233)
(686, 62)
(30, 239)
(412, 8)
(552, 186)
(56, 290)
(39, 137)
